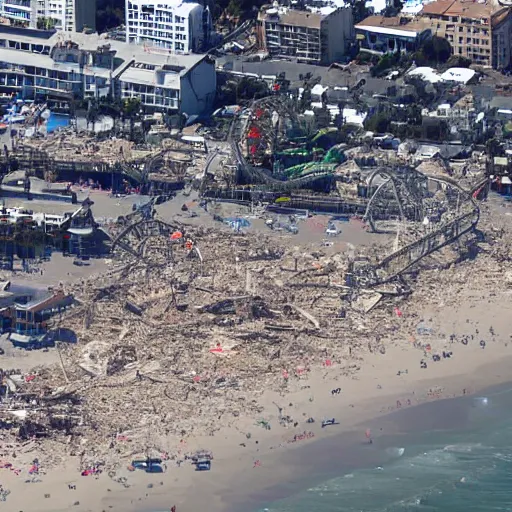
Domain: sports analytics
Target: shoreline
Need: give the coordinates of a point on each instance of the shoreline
(234, 484)
(298, 467)
(376, 360)
(284, 471)
(348, 450)
(369, 399)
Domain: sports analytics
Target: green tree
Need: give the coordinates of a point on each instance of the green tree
(250, 88)
(414, 115)
(494, 148)
(234, 8)
(109, 14)
(93, 113)
(386, 62)
(458, 61)
(112, 107)
(435, 50)
(45, 23)
(132, 111)
(378, 123)
(359, 10)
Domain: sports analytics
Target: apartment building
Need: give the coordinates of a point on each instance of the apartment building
(390, 34)
(481, 32)
(21, 12)
(44, 65)
(176, 25)
(309, 37)
(69, 15)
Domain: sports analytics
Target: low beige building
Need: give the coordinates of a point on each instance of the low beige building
(481, 32)
(384, 34)
(309, 37)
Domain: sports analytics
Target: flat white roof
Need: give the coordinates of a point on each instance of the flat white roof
(352, 116)
(23, 58)
(318, 90)
(388, 31)
(412, 6)
(378, 5)
(426, 73)
(90, 42)
(463, 75)
(148, 77)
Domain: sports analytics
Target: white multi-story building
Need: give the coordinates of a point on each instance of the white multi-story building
(60, 66)
(68, 15)
(22, 12)
(179, 26)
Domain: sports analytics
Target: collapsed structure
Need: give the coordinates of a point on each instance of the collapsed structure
(193, 320)
(115, 164)
(192, 324)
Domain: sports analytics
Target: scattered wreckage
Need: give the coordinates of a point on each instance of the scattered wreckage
(167, 348)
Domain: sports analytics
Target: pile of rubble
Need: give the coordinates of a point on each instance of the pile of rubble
(187, 347)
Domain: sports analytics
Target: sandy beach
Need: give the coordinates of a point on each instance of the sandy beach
(369, 401)
(378, 387)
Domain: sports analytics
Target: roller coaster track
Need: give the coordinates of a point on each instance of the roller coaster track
(464, 221)
(401, 260)
(132, 172)
(150, 164)
(256, 175)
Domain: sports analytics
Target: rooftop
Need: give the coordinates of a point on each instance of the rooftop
(439, 7)
(90, 42)
(48, 300)
(395, 25)
(179, 7)
(462, 75)
(295, 18)
(148, 77)
(466, 9)
(22, 58)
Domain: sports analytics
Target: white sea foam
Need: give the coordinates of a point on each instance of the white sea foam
(395, 451)
(462, 448)
(502, 456)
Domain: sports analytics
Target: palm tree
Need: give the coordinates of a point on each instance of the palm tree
(132, 110)
(111, 107)
(92, 113)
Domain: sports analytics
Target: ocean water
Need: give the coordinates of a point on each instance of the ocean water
(445, 469)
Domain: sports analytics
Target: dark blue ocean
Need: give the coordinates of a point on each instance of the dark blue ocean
(462, 469)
